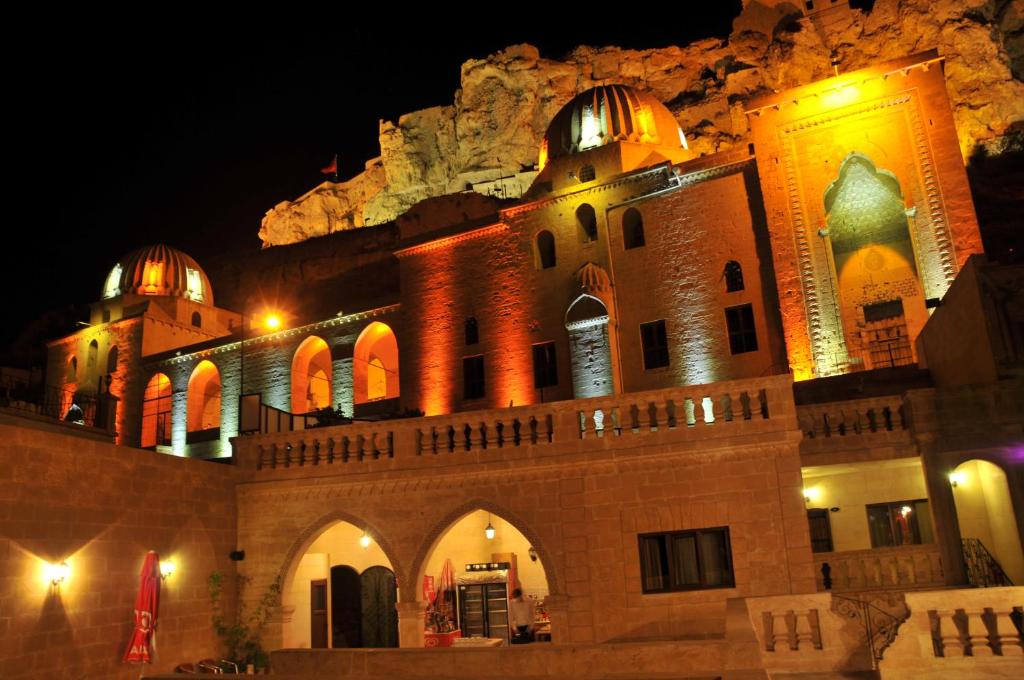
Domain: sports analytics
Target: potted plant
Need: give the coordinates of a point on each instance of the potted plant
(241, 634)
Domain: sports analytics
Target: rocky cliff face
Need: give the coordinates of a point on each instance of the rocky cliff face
(488, 138)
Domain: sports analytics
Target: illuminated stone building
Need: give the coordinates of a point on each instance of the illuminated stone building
(605, 370)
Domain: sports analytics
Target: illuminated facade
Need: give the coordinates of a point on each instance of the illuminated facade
(605, 366)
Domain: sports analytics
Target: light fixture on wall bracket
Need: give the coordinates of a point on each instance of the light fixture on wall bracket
(57, 573)
(489, 531)
(956, 479)
(364, 540)
(533, 554)
(167, 568)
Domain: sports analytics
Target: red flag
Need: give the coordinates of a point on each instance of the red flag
(147, 607)
(331, 169)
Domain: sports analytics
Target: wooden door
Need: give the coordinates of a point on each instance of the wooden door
(318, 614)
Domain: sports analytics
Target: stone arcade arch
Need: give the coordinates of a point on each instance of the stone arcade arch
(311, 376)
(331, 541)
(375, 369)
(466, 523)
(156, 412)
(204, 400)
(984, 511)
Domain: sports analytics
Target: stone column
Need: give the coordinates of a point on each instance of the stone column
(411, 617)
(274, 636)
(558, 610)
(947, 526)
(341, 375)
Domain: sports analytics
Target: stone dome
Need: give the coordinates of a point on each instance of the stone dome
(159, 270)
(606, 114)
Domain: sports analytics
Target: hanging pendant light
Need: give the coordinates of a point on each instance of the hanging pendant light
(489, 531)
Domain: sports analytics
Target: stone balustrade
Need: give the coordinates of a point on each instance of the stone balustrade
(968, 633)
(852, 418)
(904, 567)
(694, 412)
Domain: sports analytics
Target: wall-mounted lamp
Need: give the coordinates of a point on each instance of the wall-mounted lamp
(957, 478)
(57, 573)
(167, 568)
(489, 531)
(533, 554)
(812, 494)
(364, 540)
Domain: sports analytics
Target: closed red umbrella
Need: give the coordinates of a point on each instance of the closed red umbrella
(147, 608)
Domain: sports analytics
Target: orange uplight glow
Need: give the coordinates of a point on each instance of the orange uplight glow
(153, 276)
(542, 157)
(272, 321)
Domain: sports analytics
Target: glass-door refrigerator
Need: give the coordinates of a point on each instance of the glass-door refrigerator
(483, 610)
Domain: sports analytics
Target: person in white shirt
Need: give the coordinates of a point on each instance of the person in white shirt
(520, 618)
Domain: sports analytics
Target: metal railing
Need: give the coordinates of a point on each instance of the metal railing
(983, 570)
(880, 626)
(51, 402)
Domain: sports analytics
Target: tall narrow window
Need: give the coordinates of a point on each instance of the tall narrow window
(742, 335)
(586, 218)
(545, 366)
(472, 331)
(545, 250)
(94, 350)
(197, 320)
(112, 360)
(733, 276)
(72, 373)
(686, 560)
(473, 377)
(655, 344)
(632, 229)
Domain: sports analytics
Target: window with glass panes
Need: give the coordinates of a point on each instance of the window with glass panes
(655, 344)
(686, 560)
(900, 523)
(545, 366)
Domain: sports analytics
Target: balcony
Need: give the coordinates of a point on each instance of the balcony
(697, 416)
(907, 567)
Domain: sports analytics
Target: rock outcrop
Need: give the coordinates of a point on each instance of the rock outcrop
(487, 139)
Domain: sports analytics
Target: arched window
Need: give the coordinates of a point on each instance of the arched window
(203, 398)
(156, 412)
(311, 376)
(733, 276)
(72, 374)
(197, 319)
(472, 331)
(375, 364)
(94, 350)
(545, 250)
(112, 360)
(586, 218)
(632, 229)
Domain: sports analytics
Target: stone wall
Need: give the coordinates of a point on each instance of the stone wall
(101, 507)
(580, 500)
(506, 100)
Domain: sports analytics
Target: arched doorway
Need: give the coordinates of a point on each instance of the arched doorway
(343, 592)
(311, 376)
(985, 515)
(156, 412)
(877, 284)
(203, 412)
(375, 365)
(476, 601)
(589, 347)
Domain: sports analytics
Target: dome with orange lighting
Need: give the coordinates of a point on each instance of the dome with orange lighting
(158, 270)
(606, 114)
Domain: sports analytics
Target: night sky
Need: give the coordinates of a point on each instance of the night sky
(186, 131)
